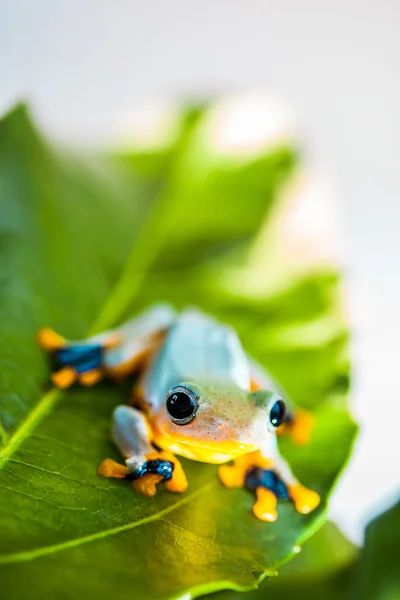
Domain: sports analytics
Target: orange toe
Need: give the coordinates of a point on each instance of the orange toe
(305, 500)
(49, 340)
(64, 378)
(231, 476)
(178, 482)
(146, 484)
(90, 377)
(265, 507)
(110, 468)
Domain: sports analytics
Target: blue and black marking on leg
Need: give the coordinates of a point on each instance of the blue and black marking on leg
(155, 467)
(82, 358)
(266, 478)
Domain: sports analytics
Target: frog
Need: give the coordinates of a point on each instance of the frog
(196, 394)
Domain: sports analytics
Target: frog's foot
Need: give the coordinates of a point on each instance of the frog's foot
(116, 353)
(272, 480)
(77, 361)
(270, 487)
(159, 467)
(254, 478)
(145, 466)
(299, 426)
(144, 476)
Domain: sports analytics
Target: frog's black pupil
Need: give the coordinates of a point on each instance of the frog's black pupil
(180, 405)
(277, 413)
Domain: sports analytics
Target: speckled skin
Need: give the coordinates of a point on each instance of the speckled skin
(194, 350)
(207, 356)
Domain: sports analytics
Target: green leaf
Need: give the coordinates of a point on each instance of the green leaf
(331, 567)
(324, 568)
(83, 244)
(57, 262)
(377, 574)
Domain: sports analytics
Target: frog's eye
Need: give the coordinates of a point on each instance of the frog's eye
(277, 413)
(181, 405)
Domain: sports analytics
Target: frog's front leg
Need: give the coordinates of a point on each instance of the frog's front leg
(272, 480)
(144, 465)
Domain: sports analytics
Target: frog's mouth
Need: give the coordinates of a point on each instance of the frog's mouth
(209, 454)
(208, 451)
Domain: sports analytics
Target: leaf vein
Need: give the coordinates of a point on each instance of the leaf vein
(132, 275)
(42, 408)
(28, 555)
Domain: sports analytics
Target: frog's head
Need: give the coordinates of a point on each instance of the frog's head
(216, 422)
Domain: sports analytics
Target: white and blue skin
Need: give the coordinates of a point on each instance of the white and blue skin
(192, 398)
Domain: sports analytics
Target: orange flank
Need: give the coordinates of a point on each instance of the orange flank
(64, 378)
(305, 500)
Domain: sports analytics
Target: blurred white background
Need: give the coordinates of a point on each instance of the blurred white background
(336, 61)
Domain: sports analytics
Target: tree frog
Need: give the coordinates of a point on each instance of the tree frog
(197, 394)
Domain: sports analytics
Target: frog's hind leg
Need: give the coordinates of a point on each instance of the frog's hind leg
(116, 353)
(144, 465)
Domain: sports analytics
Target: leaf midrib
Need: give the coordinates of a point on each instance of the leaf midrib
(132, 276)
(41, 409)
(3, 434)
(129, 282)
(18, 557)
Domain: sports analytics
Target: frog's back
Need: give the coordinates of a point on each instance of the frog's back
(197, 348)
